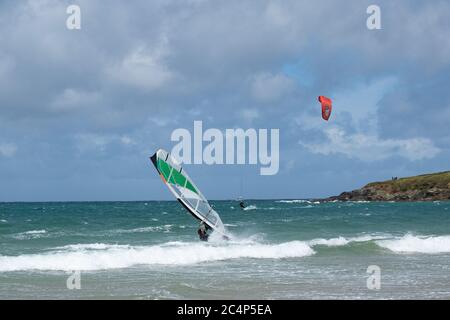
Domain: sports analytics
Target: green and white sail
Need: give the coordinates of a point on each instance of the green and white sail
(186, 192)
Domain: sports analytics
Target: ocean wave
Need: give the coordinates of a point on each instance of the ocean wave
(339, 241)
(164, 228)
(342, 241)
(114, 257)
(32, 234)
(91, 246)
(417, 244)
(103, 256)
(293, 201)
(250, 207)
(298, 201)
(35, 232)
(4, 221)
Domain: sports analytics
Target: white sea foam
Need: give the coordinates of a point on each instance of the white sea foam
(113, 257)
(102, 256)
(417, 244)
(35, 232)
(91, 246)
(293, 201)
(4, 221)
(163, 228)
(32, 234)
(342, 241)
(250, 207)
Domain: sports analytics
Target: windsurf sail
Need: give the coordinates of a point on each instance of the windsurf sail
(186, 192)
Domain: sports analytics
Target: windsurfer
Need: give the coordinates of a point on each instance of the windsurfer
(202, 232)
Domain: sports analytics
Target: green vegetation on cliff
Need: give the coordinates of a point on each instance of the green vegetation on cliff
(427, 187)
(439, 180)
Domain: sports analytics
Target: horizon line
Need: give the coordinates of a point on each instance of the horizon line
(174, 200)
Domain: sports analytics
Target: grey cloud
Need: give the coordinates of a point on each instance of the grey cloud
(136, 71)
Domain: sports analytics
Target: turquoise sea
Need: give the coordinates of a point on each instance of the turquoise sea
(280, 249)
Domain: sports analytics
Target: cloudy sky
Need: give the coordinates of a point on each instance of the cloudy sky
(81, 110)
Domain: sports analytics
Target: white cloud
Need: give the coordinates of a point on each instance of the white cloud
(126, 140)
(8, 149)
(143, 68)
(267, 87)
(162, 121)
(353, 130)
(361, 100)
(92, 141)
(99, 142)
(371, 148)
(249, 114)
(75, 99)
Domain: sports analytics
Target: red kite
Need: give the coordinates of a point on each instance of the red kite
(326, 107)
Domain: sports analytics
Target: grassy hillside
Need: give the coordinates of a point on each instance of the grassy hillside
(427, 187)
(439, 180)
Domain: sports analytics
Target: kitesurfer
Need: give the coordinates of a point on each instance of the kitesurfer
(242, 204)
(202, 232)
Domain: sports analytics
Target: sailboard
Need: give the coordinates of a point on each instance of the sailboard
(185, 191)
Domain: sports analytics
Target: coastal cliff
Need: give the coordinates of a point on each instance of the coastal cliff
(427, 187)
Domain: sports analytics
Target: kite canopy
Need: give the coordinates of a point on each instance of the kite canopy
(326, 107)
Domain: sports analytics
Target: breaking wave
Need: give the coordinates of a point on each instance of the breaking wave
(101, 256)
(104, 256)
(417, 244)
(293, 201)
(342, 241)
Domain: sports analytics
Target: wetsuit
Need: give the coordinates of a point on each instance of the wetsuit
(202, 232)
